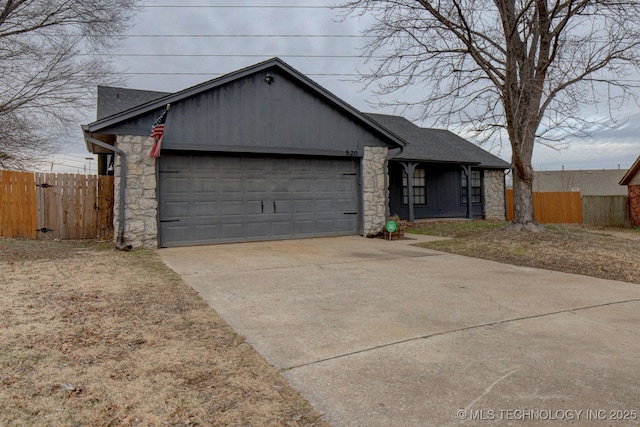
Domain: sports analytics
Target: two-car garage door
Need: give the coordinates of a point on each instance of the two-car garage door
(220, 198)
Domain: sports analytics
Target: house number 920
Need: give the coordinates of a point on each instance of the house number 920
(352, 153)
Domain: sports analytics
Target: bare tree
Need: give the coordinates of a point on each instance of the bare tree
(523, 69)
(50, 63)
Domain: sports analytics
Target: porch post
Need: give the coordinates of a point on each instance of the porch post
(409, 167)
(467, 171)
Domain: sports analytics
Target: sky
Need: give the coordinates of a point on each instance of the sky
(171, 48)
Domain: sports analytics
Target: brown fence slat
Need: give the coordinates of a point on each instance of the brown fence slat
(551, 207)
(17, 201)
(105, 208)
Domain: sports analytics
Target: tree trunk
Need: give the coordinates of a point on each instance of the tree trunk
(523, 199)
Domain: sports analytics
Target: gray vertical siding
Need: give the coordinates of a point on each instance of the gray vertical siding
(249, 115)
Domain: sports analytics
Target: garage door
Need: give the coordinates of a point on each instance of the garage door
(213, 199)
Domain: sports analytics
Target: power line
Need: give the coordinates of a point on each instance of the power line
(216, 74)
(229, 55)
(247, 6)
(233, 35)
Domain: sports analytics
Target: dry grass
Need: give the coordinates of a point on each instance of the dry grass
(93, 336)
(609, 253)
(96, 337)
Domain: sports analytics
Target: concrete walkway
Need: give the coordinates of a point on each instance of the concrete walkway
(382, 333)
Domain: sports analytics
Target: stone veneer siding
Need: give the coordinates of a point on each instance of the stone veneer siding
(375, 193)
(494, 201)
(634, 204)
(140, 203)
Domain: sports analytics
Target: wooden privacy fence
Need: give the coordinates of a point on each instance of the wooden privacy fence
(551, 207)
(606, 210)
(571, 207)
(55, 206)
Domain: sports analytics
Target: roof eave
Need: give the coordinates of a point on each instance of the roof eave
(423, 160)
(631, 172)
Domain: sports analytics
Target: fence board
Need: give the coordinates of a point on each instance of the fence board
(69, 206)
(17, 202)
(551, 207)
(606, 210)
(104, 213)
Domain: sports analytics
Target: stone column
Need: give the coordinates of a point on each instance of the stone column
(494, 201)
(374, 192)
(140, 202)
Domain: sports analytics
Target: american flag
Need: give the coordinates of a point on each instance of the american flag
(157, 131)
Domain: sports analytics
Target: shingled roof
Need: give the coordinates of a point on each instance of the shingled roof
(114, 100)
(437, 145)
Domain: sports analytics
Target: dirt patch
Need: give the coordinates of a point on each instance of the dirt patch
(94, 336)
(608, 253)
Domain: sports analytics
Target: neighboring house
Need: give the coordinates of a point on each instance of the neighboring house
(266, 153)
(632, 180)
(603, 182)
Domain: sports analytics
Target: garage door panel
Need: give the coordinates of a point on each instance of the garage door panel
(254, 185)
(176, 209)
(345, 206)
(180, 234)
(324, 226)
(204, 185)
(281, 206)
(232, 208)
(347, 223)
(303, 206)
(205, 209)
(326, 206)
(324, 185)
(301, 185)
(258, 229)
(281, 229)
(231, 185)
(174, 184)
(255, 208)
(232, 198)
(233, 231)
(304, 228)
(206, 232)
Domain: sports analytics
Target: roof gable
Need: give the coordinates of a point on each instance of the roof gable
(631, 173)
(437, 145)
(137, 120)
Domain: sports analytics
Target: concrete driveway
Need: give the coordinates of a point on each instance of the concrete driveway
(382, 333)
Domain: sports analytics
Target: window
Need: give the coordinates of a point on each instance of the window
(476, 187)
(419, 184)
